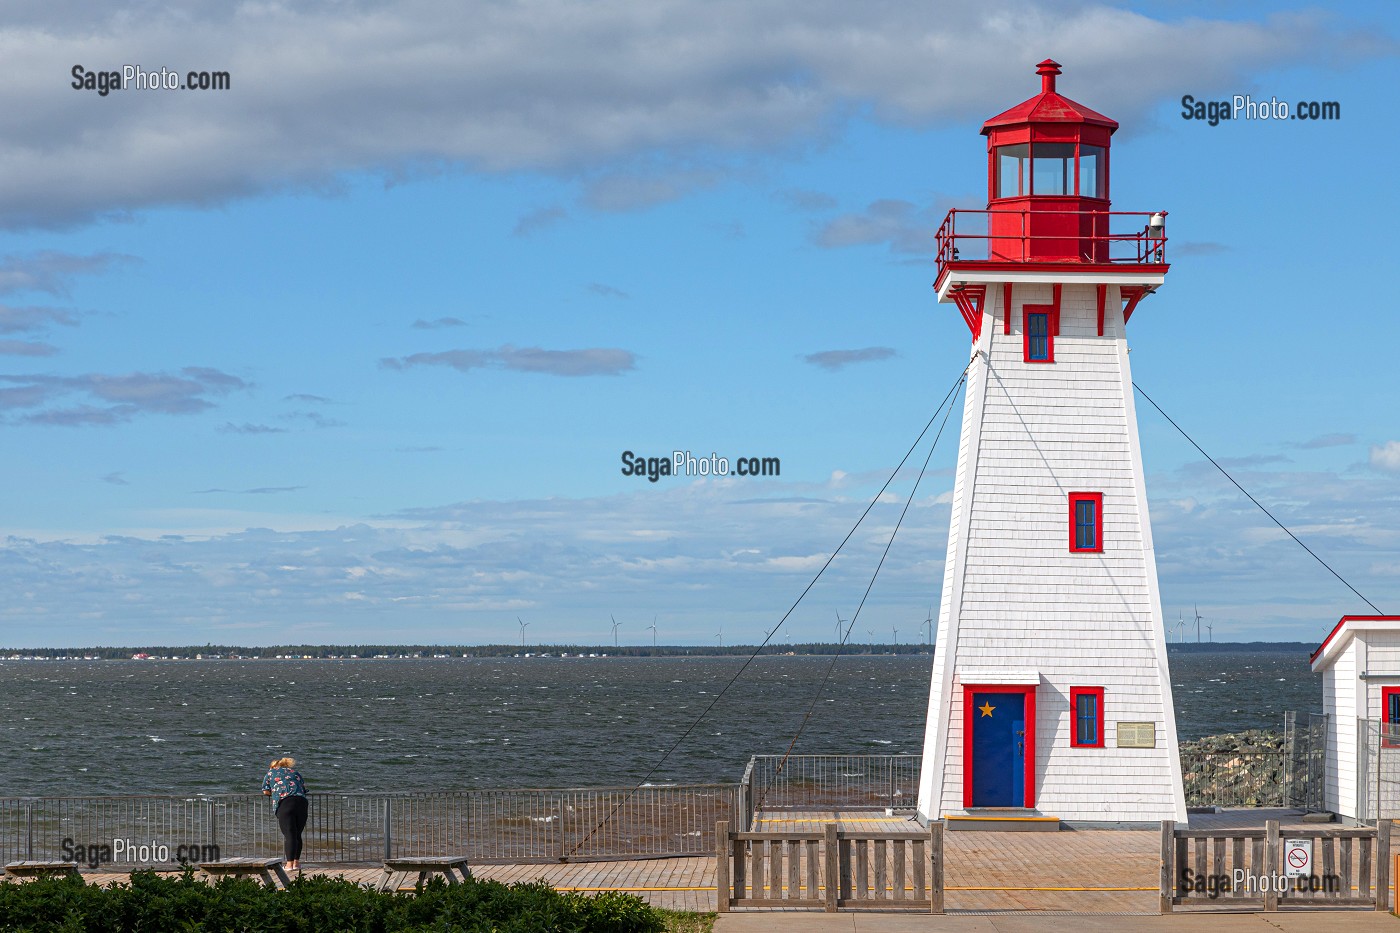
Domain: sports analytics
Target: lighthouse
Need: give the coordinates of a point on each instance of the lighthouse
(1050, 698)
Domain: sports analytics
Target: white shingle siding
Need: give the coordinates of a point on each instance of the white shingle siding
(1370, 646)
(1339, 702)
(1015, 596)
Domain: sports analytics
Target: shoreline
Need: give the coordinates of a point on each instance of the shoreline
(541, 652)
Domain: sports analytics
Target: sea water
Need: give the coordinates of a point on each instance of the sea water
(143, 727)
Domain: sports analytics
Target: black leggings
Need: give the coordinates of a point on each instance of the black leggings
(291, 816)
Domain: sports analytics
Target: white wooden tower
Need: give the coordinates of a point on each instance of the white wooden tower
(1050, 695)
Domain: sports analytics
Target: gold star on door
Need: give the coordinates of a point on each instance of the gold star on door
(986, 708)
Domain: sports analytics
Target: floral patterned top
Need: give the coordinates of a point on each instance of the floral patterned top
(283, 782)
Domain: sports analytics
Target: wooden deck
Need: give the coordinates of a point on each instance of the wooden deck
(1079, 871)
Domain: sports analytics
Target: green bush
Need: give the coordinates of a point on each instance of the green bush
(152, 903)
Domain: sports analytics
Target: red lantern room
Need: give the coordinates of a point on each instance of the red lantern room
(1048, 215)
(1047, 178)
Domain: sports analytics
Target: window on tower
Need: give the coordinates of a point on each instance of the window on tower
(1040, 337)
(1086, 521)
(1086, 711)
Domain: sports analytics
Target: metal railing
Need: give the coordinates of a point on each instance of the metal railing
(1234, 779)
(825, 782)
(486, 826)
(1306, 746)
(1094, 240)
(1378, 770)
(744, 820)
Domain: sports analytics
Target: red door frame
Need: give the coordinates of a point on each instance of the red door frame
(1026, 690)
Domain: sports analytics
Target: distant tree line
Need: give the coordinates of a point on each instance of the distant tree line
(508, 651)
(188, 652)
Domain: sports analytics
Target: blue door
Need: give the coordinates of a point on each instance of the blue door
(998, 749)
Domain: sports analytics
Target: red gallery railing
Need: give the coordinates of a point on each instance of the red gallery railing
(1039, 236)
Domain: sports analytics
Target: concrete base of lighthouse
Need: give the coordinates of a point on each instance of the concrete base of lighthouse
(1012, 820)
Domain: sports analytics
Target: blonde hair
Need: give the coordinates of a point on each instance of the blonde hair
(283, 763)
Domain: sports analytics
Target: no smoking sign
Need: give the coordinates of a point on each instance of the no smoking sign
(1297, 858)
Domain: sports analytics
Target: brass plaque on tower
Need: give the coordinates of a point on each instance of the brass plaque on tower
(1137, 735)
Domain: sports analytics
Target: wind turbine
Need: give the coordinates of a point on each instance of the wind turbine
(928, 624)
(615, 624)
(1210, 632)
(871, 633)
(652, 626)
(719, 636)
(895, 632)
(522, 631)
(840, 630)
(1198, 622)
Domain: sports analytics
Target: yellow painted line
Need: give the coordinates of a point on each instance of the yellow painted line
(700, 888)
(870, 819)
(907, 888)
(1006, 819)
(958, 888)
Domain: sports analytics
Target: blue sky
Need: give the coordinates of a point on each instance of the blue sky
(350, 351)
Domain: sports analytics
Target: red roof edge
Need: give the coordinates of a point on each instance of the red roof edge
(1049, 106)
(1338, 627)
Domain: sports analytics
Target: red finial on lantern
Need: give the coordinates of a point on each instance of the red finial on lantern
(1047, 71)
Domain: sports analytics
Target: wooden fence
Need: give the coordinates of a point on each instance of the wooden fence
(830, 870)
(1245, 868)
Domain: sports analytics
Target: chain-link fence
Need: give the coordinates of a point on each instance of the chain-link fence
(1378, 767)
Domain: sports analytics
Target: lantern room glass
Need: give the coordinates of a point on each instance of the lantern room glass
(1052, 168)
(1093, 172)
(1013, 180)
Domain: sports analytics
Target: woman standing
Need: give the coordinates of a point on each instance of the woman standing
(288, 792)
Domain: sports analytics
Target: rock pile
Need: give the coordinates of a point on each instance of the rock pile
(1240, 769)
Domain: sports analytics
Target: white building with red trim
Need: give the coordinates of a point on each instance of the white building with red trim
(1050, 696)
(1360, 666)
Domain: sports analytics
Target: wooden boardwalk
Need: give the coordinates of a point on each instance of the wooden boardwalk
(1081, 871)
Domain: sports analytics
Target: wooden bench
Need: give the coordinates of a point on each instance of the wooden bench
(263, 868)
(443, 865)
(39, 869)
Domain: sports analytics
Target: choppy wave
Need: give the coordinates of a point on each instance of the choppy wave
(486, 723)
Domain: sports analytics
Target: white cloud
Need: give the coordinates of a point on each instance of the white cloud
(407, 87)
(836, 359)
(566, 560)
(1386, 456)
(903, 227)
(739, 550)
(594, 361)
(106, 399)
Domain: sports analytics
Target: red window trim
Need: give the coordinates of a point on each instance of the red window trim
(1052, 329)
(1097, 499)
(1390, 738)
(1074, 694)
(1028, 690)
